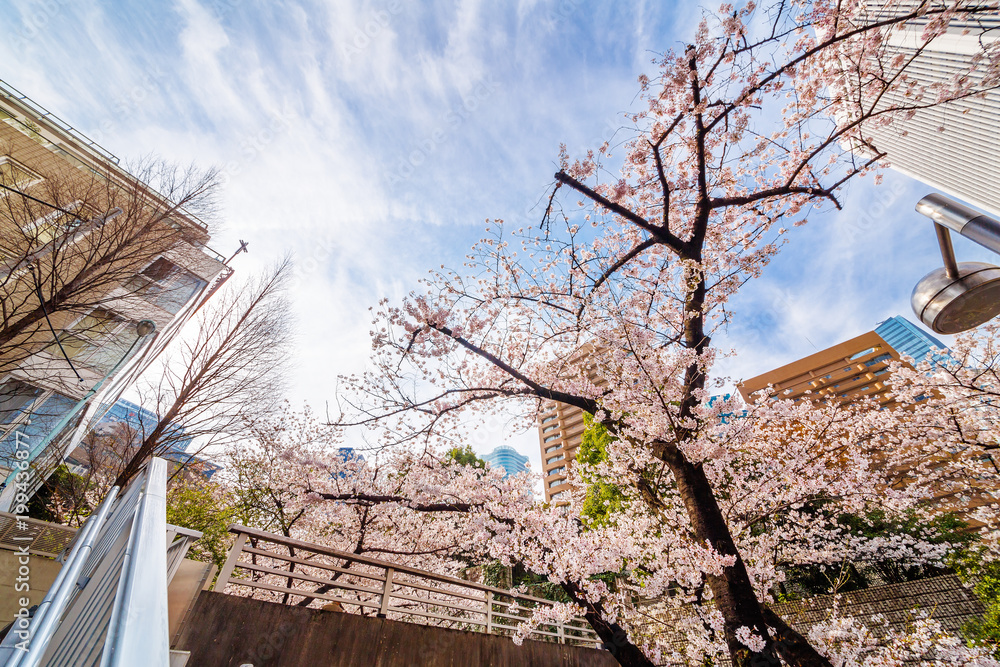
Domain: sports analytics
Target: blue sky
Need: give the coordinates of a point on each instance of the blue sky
(372, 139)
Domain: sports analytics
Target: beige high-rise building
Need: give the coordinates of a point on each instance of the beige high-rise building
(857, 368)
(560, 431)
(954, 147)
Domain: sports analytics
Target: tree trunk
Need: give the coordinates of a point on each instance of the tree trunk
(733, 592)
(613, 636)
(791, 646)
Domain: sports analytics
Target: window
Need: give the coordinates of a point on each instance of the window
(556, 482)
(863, 353)
(98, 341)
(553, 448)
(884, 371)
(555, 471)
(879, 359)
(53, 225)
(166, 285)
(548, 419)
(847, 369)
(551, 438)
(554, 459)
(556, 494)
(30, 411)
(15, 175)
(552, 427)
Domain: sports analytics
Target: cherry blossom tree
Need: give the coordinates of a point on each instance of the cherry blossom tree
(612, 305)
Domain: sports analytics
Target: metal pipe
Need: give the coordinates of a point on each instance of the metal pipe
(52, 605)
(138, 632)
(947, 251)
(958, 217)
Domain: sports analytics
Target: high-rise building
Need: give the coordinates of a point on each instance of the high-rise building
(88, 252)
(954, 147)
(508, 458)
(560, 432)
(122, 429)
(857, 367)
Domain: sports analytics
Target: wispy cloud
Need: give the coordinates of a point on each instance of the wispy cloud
(372, 138)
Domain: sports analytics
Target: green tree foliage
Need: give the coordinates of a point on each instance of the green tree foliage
(947, 528)
(62, 499)
(498, 575)
(975, 568)
(465, 456)
(204, 507)
(603, 499)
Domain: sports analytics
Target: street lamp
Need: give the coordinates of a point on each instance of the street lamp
(958, 296)
(143, 329)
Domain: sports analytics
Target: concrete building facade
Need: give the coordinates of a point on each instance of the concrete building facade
(954, 147)
(859, 368)
(109, 252)
(560, 432)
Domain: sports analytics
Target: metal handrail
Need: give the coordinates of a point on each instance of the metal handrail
(139, 629)
(43, 623)
(108, 605)
(407, 593)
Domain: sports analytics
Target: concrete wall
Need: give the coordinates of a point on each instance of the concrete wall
(229, 631)
(41, 573)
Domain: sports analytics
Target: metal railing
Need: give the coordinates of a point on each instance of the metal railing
(108, 604)
(272, 567)
(41, 113)
(41, 537)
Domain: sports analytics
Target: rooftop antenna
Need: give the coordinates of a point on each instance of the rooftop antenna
(242, 248)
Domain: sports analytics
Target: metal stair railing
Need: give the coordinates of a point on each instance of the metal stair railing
(108, 604)
(272, 567)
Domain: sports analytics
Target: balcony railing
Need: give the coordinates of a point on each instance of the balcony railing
(289, 571)
(40, 537)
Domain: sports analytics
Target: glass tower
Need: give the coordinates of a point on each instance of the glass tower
(908, 339)
(507, 458)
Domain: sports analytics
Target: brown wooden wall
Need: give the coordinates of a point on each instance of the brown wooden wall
(229, 631)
